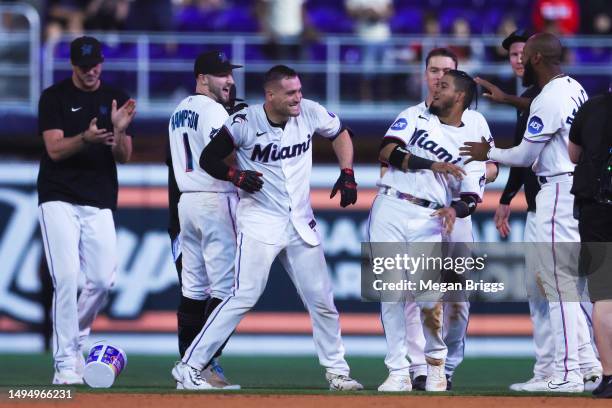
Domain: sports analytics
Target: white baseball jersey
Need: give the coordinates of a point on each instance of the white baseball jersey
(193, 124)
(425, 136)
(284, 157)
(550, 119)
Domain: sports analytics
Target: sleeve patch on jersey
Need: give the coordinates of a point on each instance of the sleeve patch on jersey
(399, 124)
(535, 125)
(213, 132)
(239, 118)
(331, 114)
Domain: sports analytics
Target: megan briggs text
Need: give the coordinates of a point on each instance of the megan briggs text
(424, 285)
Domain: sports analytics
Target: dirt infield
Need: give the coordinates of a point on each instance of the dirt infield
(297, 401)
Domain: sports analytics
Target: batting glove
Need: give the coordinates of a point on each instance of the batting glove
(248, 180)
(347, 186)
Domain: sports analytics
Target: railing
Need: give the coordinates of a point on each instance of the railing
(20, 60)
(329, 75)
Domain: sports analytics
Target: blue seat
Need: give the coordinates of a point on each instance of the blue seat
(330, 20)
(236, 19)
(192, 18)
(407, 21)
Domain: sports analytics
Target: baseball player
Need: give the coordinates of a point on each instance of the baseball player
(545, 146)
(84, 133)
(456, 314)
(206, 207)
(519, 176)
(273, 150)
(402, 211)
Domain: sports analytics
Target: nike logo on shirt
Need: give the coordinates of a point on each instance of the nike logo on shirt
(260, 133)
(423, 117)
(76, 109)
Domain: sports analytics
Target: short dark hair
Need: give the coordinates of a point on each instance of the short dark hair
(464, 83)
(441, 52)
(277, 73)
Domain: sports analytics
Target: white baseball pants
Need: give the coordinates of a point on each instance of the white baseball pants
(77, 239)
(208, 243)
(538, 305)
(307, 269)
(396, 220)
(556, 227)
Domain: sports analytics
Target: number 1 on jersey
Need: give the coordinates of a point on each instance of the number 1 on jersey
(188, 155)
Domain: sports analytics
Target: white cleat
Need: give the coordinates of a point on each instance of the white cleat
(519, 386)
(67, 377)
(436, 378)
(396, 383)
(189, 378)
(340, 382)
(553, 385)
(592, 379)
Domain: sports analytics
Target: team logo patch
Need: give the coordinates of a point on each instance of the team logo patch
(86, 49)
(239, 118)
(331, 114)
(535, 125)
(399, 124)
(312, 224)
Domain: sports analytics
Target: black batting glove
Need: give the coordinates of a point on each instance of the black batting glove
(347, 186)
(248, 180)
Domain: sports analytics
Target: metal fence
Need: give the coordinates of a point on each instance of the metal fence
(19, 57)
(157, 68)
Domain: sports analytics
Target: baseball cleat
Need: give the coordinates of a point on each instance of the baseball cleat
(341, 382)
(67, 377)
(189, 378)
(215, 376)
(449, 382)
(556, 385)
(592, 379)
(534, 379)
(436, 378)
(604, 390)
(418, 384)
(396, 383)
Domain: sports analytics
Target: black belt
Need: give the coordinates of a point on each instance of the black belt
(409, 197)
(556, 177)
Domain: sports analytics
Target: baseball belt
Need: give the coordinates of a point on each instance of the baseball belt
(409, 197)
(555, 178)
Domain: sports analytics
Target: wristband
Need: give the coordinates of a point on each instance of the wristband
(396, 158)
(419, 163)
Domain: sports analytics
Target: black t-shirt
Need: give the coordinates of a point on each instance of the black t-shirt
(522, 176)
(88, 177)
(591, 129)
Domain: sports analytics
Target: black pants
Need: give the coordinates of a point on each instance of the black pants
(595, 227)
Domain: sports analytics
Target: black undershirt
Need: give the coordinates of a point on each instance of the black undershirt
(522, 176)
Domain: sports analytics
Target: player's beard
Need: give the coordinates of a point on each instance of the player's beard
(442, 109)
(217, 91)
(529, 76)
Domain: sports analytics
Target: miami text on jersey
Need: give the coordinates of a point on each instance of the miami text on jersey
(419, 138)
(185, 115)
(271, 151)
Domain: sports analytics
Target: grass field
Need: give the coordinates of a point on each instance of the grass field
(477, 376)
